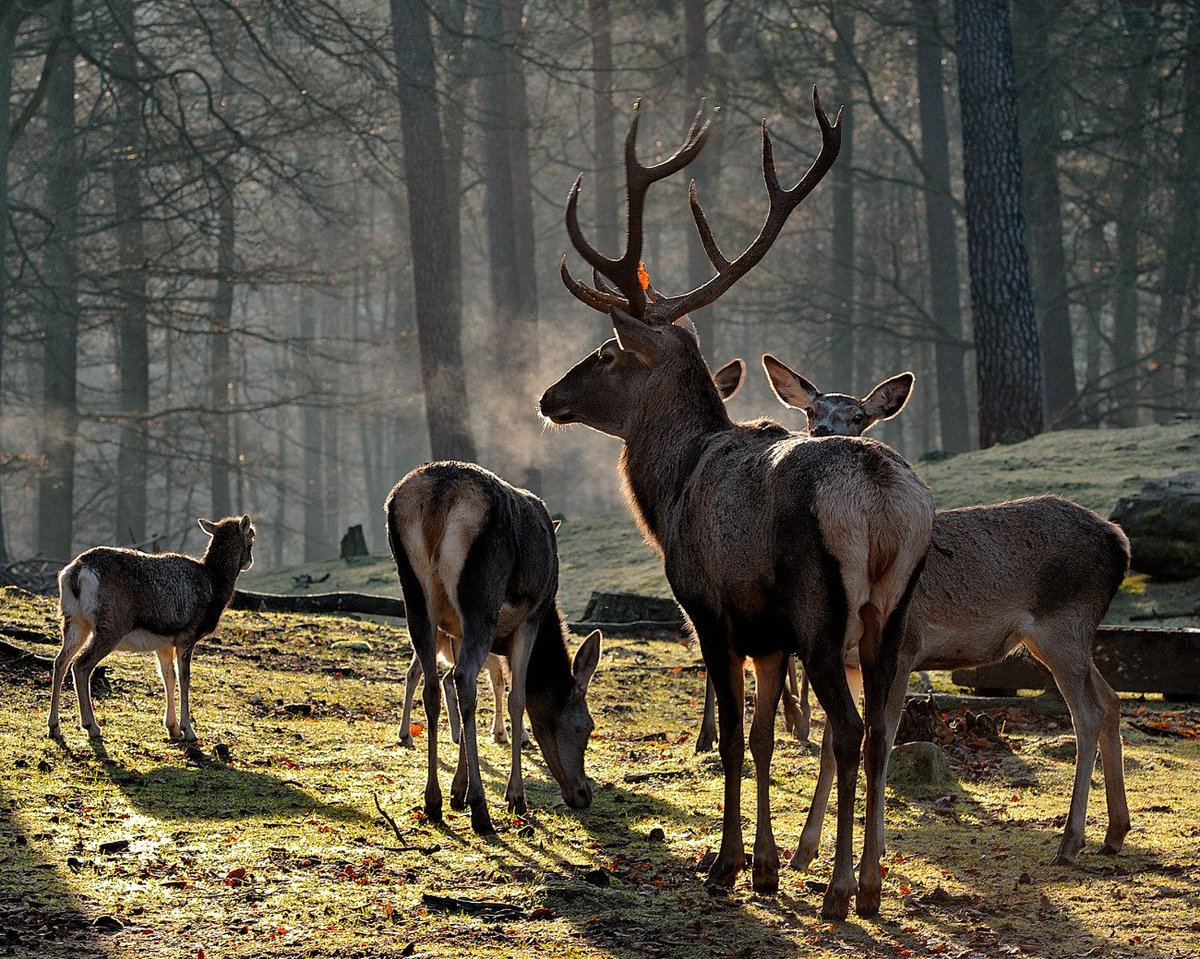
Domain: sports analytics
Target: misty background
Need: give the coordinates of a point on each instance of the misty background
(266, 256)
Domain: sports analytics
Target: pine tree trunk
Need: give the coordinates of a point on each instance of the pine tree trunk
(1168, 371)
(56, 485)
(438, 299)
(841, 316)
(1038, 98)
(132, 328)
(1007, 349)
(939, 226)
(1142, 38)
(221, 370)
(604, 126)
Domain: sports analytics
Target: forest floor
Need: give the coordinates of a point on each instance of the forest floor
(266, 840)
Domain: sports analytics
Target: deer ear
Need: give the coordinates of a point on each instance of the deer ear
(729, 378)
(685, 322)
(245, 522)
(790, 387)
(633, 335)
(889, 397)
(557, 523)
(587, 658)
(207, 525)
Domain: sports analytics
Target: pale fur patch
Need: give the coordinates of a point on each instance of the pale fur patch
(463, 523)
(143, 641)
(87, 604)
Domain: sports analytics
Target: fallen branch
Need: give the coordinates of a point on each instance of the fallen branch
(366, 603)
(661, 774)
(386, 818)
(489, 908)
(408, 847)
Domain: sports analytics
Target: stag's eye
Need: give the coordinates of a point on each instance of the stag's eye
(606, 359)
(858, 418)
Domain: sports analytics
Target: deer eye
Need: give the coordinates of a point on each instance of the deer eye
(606, 359)
(858, 418)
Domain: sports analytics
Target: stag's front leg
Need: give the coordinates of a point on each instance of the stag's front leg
(828, 678)
(708, 723)
(769, 673)
(725, 668)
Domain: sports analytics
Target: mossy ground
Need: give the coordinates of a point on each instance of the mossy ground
(279, 851)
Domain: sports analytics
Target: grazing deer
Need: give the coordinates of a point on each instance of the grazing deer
(162, 603)
(772, 543)
(447, 655)
(477, 560)
(1037, 572)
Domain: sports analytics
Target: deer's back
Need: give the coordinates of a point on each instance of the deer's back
(467, 532)
(995, 571)
(161, 593)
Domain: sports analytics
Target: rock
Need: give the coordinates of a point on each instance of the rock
(658, 834)
(920, 768)
(114, 846)
(1163, 526)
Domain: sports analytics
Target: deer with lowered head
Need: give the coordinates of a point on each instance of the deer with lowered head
(1038, 572)
(477, 561)
(161, 603)
(772, 543)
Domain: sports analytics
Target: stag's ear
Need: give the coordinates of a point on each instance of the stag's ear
(889, 397)
(641, 340)
(790, 387)
(207, 525)
(685, 323)
(557, 523)
(729, 378)
(587, 658)
(245, 522)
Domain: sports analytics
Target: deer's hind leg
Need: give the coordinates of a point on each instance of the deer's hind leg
(410, 688)
(479, 629)
(104, 640)
(166, 669)
(769, 672)
(75, 633)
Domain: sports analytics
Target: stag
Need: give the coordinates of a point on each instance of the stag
(773, 543)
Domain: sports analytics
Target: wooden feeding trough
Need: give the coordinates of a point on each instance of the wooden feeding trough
(1132, 659)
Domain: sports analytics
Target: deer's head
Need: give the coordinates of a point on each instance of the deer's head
(838, 414)
(655, 360)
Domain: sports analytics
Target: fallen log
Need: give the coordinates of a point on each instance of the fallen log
(365, 603)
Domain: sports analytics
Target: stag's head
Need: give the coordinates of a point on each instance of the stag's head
(656, 351)
(838, 414)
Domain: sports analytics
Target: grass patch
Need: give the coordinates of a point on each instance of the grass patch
(280, 852)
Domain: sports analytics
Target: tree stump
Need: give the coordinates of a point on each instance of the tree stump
(354, 544)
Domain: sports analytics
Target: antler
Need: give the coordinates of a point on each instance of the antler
(669, 308)
(623, 272)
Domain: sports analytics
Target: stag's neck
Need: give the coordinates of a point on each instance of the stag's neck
(549, 673)
(681, 417)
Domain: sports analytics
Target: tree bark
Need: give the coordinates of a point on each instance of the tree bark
(1168, 370)
(1038, 101)
(60, 417)
(132, 327)
(221, 369)
(1142, 37)
(608, 229)
(841, 316)
(10, 19)
(313, 498)
(1007, 349)
(438, 300)
(939, 226)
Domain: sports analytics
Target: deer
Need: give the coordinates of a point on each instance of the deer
(1060, 565)
(477, 560)
(162, 603)
(773, 543)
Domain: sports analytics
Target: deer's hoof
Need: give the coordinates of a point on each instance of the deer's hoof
(765, 877)
(705, 743)
(866, 903)
(725, 873)
(500, 736)
(516, 803)
(802, 858)
(836, 905)
(481, 822)
(93, 731)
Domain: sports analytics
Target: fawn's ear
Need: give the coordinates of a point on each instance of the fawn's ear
(889, 397)
(790, 387)
(641, 340)
(245, 522)
(587, 658)
(729, 378)
(207, 525)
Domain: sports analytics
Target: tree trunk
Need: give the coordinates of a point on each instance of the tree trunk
(939, 226)
(56, 485)
(221, 370)
(841, 316)
(438, 300)
(608, 231)
(1038, 98)
(10, 19)
(1142, 38)
(697, 85)
(1007, 350)
(1168, 370)
(132, 329)
(313, 498)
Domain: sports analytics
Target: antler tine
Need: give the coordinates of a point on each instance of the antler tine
(711, 250)
(601, 284)
(782, 203)
(595, 259)
(600, 300)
